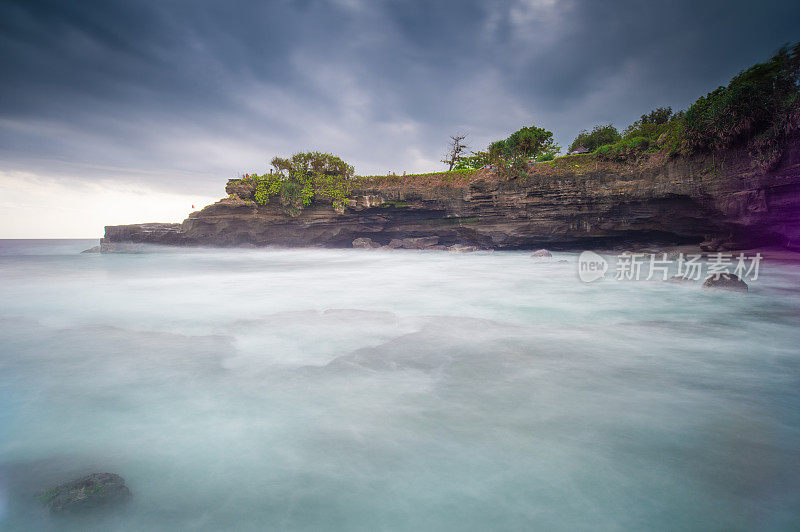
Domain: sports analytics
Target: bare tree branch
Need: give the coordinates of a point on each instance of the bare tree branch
(454, 151)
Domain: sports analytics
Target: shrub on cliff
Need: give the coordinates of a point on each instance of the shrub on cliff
(759, 108)
(599, 136)
(623, 150)
(658, 130)
(304, 178)
(653, 124)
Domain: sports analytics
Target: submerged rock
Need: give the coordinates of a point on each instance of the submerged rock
(95, 249)
(92, 491)
(541, 253)
(725, 281)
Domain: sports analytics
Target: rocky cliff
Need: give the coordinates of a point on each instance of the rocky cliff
(572, 203)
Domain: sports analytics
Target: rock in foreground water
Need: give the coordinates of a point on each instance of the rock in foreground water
(725, 281)
(541, 253)
(92, 491)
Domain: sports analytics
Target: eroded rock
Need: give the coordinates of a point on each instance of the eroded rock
(541, 253)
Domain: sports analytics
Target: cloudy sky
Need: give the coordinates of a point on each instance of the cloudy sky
(135, 110)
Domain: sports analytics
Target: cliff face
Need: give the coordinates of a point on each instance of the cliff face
(575, 203)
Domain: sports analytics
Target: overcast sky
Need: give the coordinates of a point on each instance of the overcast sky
(125, 111)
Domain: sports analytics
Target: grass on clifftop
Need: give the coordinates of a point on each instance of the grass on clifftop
(453, 178)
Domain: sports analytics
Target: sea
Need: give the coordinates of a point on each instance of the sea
(369, 390)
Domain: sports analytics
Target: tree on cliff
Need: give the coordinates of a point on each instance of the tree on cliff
(527, 143)
(454, 151)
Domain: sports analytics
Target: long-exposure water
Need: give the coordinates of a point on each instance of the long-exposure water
(370, 390)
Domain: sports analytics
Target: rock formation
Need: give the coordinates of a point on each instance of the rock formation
(571, 203)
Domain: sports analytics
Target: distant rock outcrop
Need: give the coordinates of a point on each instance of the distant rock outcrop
(571, 204)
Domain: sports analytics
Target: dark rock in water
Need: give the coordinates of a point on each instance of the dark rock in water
(86, 493)
(95, 249)
(395, 243)
(539, 253)
(365, 243)
(725, 281)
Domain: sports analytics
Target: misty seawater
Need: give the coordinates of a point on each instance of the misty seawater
(368, 390)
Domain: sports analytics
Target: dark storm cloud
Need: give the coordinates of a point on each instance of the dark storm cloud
(184, 94)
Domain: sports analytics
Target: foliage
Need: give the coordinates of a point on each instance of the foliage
(661, 115)
(476, 161)
(623, 150)
(658, 130)
(527, 143)
(760, 107)
(599, 136)
(671, 136)
(304, 178)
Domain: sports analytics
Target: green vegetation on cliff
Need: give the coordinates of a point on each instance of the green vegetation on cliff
(758, 109)
(599, 136)
(303, 178)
